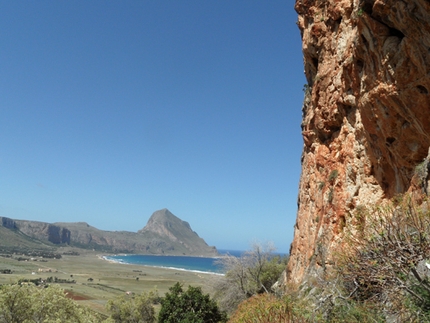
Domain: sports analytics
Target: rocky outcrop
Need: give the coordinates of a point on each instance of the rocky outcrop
(366, 120)
(8, 223)
(165, 227)
(44, 231)
(164, 234)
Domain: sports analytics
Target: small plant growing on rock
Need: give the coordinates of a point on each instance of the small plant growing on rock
(333, 175)
(307, 88)
(330, 195)
(421, 171)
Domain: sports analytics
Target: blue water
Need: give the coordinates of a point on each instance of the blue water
(198, 264)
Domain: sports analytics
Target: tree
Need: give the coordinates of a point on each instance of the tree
(190, 306)
(253, 273)
(137, 309)
(29, 303)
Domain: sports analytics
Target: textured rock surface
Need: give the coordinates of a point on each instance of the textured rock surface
(366, 115)
(44, 231)
(8, 223)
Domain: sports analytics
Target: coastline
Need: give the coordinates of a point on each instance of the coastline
(98, 279)
(120, 261)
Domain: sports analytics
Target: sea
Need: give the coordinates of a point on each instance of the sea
(187, 263)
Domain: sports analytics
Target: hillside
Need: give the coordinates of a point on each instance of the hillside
(164, 234)
(14, 239)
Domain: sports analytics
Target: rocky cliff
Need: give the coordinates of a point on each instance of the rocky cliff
(366, 120)
(40, 230)
(164, 234)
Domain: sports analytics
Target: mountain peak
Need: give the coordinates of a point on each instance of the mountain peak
(164, 234)
(163, 213)
(165, 225)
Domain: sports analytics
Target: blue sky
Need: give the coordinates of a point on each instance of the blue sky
(111, 110)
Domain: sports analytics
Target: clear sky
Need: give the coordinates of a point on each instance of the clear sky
(111, 110)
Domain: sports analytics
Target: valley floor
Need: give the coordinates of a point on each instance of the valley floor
(98, 280)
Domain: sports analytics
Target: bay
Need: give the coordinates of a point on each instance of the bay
(188, 263)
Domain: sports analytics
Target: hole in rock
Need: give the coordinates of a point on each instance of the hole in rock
(397, 33)
(315, 62)
(334, 129)
(360, 65)
(364, 40)
(385, 185)
(367, 6)
(422, 89)
(390, 140)
(346, 108)
(336, 24)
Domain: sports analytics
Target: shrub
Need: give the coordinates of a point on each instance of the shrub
(190, 306)
(137, 309)
(354, 312)
(421, 172)
(254, 272)
(380, 261)
(265, 308)
(29, 303)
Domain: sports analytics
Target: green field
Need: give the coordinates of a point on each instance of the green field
(98, 280)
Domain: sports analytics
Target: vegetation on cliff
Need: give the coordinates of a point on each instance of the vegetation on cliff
(387, 259)
(255, 272)
(381, 273)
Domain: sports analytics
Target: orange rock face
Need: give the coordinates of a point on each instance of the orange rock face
(366, 115)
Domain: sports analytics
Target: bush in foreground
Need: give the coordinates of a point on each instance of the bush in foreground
(133, 309)
(384, 255)
(190, 306)
(265, 308)
(29, 303)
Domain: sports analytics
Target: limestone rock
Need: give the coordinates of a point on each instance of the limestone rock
(44, 231)
(8, 223)
(366, 120)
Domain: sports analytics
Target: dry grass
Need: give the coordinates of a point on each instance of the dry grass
(108, 279)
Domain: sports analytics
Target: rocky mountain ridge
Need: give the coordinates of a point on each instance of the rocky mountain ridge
(164, 234)
(366, 120)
